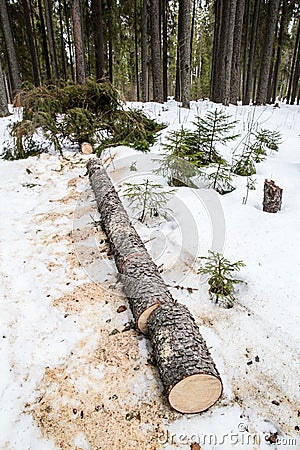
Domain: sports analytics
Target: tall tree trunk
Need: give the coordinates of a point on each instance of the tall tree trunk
(62, 42)
(217, 30)
(50, 33)
(156, 52)
(235, 64)
(246, 45)
(3, 97)
(136, 52)
(249, 77)
(78, 41)
(229, 50)
(144, 51)
(293, 63)
(10, 47)
(178, 80)
(165, 48)
(32, 49)
(44, 41)
(283, 24)
(184, 43)
(296, 77)
(98, 33)
(110, 40)
(69, 40)
(266, 57)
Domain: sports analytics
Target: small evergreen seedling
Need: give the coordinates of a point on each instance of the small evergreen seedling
(215, 128)
(147, 198)
(176, 164)
(255, 151)
(220, 178)
(221, 280)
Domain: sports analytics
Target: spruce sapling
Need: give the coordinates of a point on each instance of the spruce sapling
(214, 128)
(147, 198)
(221, 280)
(220, 178)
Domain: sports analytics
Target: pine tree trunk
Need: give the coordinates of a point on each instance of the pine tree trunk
(44, 41)
(293, 63)
(296, 78)
(136, 53)
(98, 36)
(245, 43)
(229, 50)
(189, 376)
(165, 48)
(184, 43)
(69, 40)
(283, 24)
(144, 51)
(217, 30)
(272, 197)
(51, 41)
(156, 52)
(10, 47)
(267, 51)
(3, 97)
(78, 41)
(31, 45)
(250, 68)
(62, 43)
(235, 64)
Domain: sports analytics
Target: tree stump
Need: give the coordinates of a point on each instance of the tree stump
(272, 197)
(188, 373)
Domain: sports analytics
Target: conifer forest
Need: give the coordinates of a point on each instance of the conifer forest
(149, 222)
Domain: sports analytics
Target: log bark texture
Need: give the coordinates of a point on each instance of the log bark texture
(272, 197)
(191, 380)
(143, 285)
(188, 373)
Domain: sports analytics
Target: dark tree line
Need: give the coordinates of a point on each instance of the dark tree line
(228, 50)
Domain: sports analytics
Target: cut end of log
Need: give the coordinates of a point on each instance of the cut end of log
(195, 393)
(142, 322)
(86, 148)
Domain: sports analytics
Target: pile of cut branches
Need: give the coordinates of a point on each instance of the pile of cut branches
(70, 114)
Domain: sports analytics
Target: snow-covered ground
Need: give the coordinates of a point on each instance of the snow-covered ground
(74, 375)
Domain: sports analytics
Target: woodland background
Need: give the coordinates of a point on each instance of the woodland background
(227, 50)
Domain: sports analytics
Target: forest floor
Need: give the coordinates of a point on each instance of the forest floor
(74, 372)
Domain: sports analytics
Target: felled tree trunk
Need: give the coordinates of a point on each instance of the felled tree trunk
(190, 378)
(272, 197)
(188, 373)
(142, 282)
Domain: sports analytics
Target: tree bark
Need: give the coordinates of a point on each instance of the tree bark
(44, 41)
(156, 52)
(272, 197)
(144, 51)
(235, 64)
(3, 97)
(143, 284)
(69, 40)
(283, 24)
(98, 33)
(267, 51)
(293, 63)
(184, 44)
(50, 33)
(190, 378)
(187, 370)
(10, 47)
(78, 41)
(32, 49)
(165, 48)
